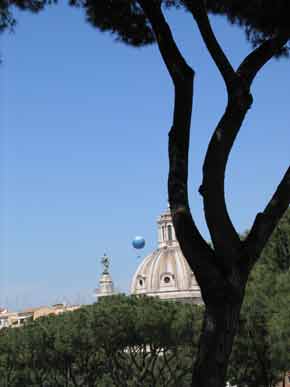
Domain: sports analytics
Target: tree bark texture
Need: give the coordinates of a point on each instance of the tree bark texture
(219, 328)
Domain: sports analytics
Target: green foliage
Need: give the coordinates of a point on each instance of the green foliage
(276, 255)
(278, 323)
(120, 341)
(261, 351)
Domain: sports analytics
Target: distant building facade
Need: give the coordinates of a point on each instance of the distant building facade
(18, 319)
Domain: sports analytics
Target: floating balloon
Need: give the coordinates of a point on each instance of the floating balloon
(138, 242)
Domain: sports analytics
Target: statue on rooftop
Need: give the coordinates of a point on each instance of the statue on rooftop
(106, 263)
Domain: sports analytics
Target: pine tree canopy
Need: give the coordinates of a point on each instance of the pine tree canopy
(7, 20)
(260, 19)
(125, 19)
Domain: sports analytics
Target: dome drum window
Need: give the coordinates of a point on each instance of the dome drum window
(141, 281)
(167, 279)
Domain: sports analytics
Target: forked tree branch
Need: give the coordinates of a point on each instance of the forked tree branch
(198, 10)
(267, 220)
(224, 236)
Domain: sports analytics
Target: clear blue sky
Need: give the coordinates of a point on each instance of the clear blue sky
(83, 147)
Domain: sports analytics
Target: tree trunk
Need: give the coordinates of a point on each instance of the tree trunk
(284, 379)
(219, 328)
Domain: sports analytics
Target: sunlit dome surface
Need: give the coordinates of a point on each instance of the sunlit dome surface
(165, 273)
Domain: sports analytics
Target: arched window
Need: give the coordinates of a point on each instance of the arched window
(141, 281)
(163, 233)
(169, 230)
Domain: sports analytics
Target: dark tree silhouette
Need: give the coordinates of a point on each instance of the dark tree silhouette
(7, 19)
(222, 271)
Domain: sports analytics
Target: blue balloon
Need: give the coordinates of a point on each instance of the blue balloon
(138, 242)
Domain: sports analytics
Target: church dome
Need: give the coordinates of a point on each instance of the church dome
(165, 273)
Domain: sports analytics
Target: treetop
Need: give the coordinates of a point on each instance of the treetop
(125, 19)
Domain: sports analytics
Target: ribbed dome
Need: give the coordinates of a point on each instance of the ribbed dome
(165, 273)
